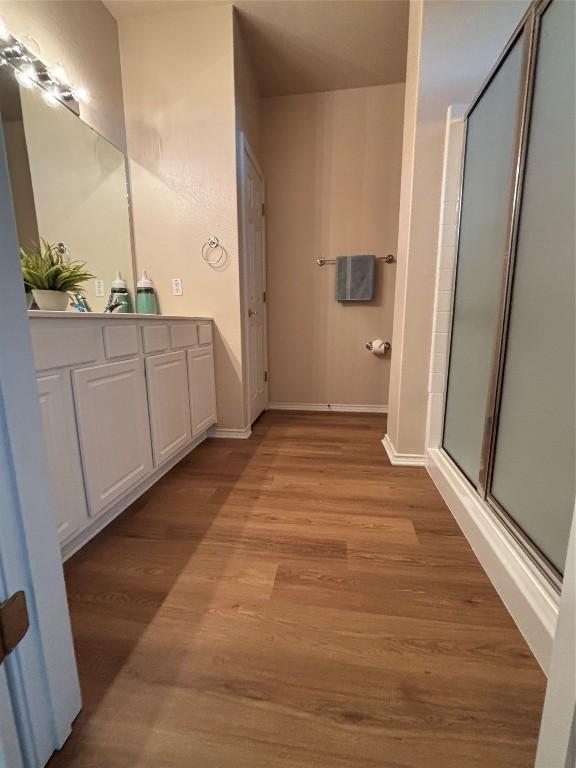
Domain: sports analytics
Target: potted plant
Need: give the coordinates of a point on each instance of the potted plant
(50, 278)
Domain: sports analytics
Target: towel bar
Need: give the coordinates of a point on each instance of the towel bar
(388, 259)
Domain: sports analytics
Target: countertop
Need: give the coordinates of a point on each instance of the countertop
(37, 314)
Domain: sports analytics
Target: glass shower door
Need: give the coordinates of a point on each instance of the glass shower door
(489, 168)
(534, 458)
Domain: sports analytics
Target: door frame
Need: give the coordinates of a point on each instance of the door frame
(41, 672)
(246, 151)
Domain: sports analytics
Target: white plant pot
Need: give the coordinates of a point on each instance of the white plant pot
(51, 301)
(29, 299)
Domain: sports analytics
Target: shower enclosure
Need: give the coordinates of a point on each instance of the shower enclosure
(509, 415)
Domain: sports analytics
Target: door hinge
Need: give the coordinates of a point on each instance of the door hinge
(263, 209)
(14, 623)
(265, 375)
(264, 297)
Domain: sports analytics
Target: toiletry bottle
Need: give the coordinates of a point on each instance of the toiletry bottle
(145, 296)
(120, 291)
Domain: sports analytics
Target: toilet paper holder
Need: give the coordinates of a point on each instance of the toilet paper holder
(378, 347)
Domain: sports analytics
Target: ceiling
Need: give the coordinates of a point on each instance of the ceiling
(301, 46)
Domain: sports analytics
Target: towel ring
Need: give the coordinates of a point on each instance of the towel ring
(210, 245)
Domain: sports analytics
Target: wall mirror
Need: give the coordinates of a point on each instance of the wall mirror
(69, 185)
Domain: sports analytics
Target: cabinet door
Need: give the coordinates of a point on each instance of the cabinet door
(61, 441)
(202, 389)
(169, 404)
(114, 429)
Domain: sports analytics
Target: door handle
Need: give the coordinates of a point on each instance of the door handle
(252, 312)
(14, 623)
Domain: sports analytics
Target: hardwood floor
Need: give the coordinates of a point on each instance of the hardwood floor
(294, 600)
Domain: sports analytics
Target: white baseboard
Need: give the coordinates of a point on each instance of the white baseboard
(524, 590)
(72, 546)
(336, 407)
(233, 434)
(402, 459)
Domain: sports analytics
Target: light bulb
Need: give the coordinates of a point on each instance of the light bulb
(26, 77)
(51, 97)
(57, 72)
(81, 94)
(32, 46)
(4, 33)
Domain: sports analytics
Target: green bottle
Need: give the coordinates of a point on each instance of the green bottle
(120, 292)
(145, 296)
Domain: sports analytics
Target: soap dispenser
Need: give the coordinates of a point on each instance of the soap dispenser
(120, 294)
(145, 296)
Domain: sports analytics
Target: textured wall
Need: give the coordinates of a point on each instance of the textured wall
(178, 74)
(332, 167)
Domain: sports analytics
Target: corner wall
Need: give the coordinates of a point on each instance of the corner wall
(178, 74)
(332, 164)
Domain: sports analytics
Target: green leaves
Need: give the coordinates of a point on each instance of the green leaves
(44, 268)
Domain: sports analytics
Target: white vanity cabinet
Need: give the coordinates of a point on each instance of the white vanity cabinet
(169, 403)
(123, 399)
(62, 450)
(113, 429)
(202, 392)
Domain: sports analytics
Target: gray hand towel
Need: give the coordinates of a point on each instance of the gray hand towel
(355, 278)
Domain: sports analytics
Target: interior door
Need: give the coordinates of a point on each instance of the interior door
(39, 690)
(10, 752)
(253, 225)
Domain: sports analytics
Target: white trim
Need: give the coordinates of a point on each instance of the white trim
(404, 254)
(402, 459)
(234, 434)
(72, 546)
(558, 718)
(524, 590)
(337, 407)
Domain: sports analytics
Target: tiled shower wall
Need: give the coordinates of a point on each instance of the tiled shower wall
(445, 269)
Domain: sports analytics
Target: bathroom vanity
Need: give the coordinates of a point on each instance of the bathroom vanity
(123, 399)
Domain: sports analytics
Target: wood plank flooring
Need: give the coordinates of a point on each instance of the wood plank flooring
(294, 600)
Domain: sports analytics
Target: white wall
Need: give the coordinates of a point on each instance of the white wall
(452, 47)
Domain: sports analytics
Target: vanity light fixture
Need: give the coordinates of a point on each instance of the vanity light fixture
(30, 71)
(58, 74)
(81, 94)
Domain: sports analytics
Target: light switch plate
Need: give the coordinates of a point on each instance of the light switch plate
(99, 287)
(177, 286)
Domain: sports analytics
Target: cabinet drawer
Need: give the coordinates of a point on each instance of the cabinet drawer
(120, 341)
(65, 344)
(114, 429)
(184, 335)
(156, 338)
(205, 333)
